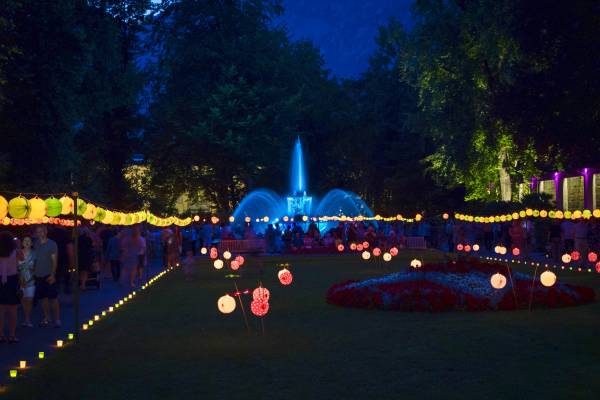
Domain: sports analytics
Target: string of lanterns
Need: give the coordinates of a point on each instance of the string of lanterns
(61, 343)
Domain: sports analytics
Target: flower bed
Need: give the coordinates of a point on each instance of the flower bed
(457, 285)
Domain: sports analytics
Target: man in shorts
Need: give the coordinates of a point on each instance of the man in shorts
(46, 256)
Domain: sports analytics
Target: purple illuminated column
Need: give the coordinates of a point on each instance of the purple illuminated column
(588, 188)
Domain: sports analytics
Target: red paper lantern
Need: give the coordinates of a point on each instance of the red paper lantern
(259, 308)
(352, 246)
(467, 248)
(285, 277)
(394, 251)
(592, 257)
(261, 294)
(359, 247)
(240, 260)
(516, 252)
(598, 267)
(235, 265)
(459, 247)
(340, 247)
(376, 251)
(575, 255)
(365, 245)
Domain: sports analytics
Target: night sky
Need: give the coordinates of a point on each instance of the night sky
(344, 29)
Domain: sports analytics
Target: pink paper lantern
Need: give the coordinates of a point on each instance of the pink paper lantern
(285, 277)
(259, 308)
(394, 251)
(261, 294)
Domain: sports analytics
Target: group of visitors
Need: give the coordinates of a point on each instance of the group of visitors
(36, 266)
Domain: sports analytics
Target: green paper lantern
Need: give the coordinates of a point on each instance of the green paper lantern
(18, 207)
(54, 207)
(100, 214)
(81, 207)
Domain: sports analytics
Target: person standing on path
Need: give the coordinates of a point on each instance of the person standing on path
(26, 269)
(9, 286)
(45, 275)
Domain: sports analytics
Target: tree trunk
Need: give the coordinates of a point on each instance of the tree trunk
(505, 184)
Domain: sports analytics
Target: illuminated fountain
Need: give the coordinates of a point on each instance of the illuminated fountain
(263, 206)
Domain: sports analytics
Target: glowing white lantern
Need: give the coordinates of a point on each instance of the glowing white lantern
(218, 264)
(498, 281)
(366, 255)
(415, 263)
(475, 247)
(226, 255)
(387, 257)
(566, 258)
(203, 250)
(548, 278)
(226, 304)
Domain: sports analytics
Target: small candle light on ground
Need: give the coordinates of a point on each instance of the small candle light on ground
(41, 355)
(13, 373)
(59, 343)
(22, 364)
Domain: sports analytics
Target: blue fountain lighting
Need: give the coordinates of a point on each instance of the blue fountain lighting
(262, 203)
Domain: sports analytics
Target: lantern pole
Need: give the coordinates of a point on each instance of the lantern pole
(75, 281)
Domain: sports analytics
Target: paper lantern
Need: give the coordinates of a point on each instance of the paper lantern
(67, 205)
(467, 248)
(81, 207)
(340, 247)
(548, 278)
(592, 257)
(365, 245)
(226, 255)
(359, 247)
(376, 251)
(261, 293)
(516, 252)
(418, 217)
(108, 217)
(226, 304)
(234, 265)
(575, 255)
(37, 208)
(18, 207)
(90, 212)
(415, 263)
(387, 257)
(566, 258)
(218, 264)
(459, 247)
(498, 281)
(445, 215)
(203, 250)
(352, 246)
(213, 253)
(598, 267)
(240, 260)
(476, 247)
(259, 308)
(285, 277)
(3, 208)
(394, 251)
(365, 255)
(503, 250)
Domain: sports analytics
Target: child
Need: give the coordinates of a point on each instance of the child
(188, 263)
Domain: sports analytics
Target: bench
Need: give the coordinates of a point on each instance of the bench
(415, 242)
(243, 246)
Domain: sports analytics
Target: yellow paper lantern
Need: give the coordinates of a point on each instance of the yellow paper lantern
(387, 257)
(218, 264)
(108, 217)
(543, 213)
(498, 281)
(226, 255)
(18, 207)
(90, 211)
(226, 304)
(67, 205)
(548, 278)
(37, 208)
(415, 263)
(3, 207)
(365, 255)
(566, 258)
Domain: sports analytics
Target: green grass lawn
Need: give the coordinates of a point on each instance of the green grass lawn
(172, 343)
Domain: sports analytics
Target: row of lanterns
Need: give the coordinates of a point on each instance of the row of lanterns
(22, 211)
(558, 214)
(61, 343)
